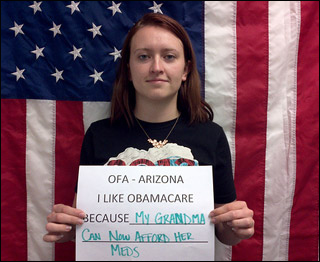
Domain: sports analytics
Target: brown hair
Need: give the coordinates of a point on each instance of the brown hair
(190, 103)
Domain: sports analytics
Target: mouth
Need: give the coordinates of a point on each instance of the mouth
(157, 80)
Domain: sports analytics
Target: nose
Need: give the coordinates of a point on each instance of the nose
(156, 66)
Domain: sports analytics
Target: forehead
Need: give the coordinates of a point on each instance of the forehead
(154, 37)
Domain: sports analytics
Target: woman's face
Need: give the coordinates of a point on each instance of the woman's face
(157, 65)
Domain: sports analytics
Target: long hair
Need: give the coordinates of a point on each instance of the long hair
(189, 103)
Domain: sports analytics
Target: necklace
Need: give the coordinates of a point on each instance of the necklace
(154, 142)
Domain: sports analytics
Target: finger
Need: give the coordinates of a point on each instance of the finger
(227, 217)
(228, 207)
(231, 211)
(243, 233)
(63, 218)
(52, 237)
(243, 223)
(60, 208)
(58, 228)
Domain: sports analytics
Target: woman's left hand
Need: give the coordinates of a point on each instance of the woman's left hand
(237, 216)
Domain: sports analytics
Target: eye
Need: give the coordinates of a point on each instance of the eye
(143, 57)
(170, 57)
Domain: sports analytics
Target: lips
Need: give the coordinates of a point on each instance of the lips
(157, 80)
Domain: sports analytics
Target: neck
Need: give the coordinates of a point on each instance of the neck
(156, 112)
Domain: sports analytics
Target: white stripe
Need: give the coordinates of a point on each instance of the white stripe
(93, 111)
(220, 76)
(280, 152)
(40, 171)
(221, 65)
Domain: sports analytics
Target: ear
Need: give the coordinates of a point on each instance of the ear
(186, 71)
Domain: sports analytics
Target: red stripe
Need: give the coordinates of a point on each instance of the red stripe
(69, 135)
(304, 230)
(251, 122)
(13, 180)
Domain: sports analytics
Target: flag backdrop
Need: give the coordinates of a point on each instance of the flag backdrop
(259, 64)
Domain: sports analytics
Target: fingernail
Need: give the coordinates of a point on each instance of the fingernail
(213, 220)
(80, 221)
(60, 236)
(68, 228)
(83, 215)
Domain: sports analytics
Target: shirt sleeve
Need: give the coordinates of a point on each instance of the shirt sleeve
(224, 189)
(86, 151)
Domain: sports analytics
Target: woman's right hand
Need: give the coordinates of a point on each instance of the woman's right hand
(61, 223)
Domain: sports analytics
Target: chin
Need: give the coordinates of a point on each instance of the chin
(163, 95)
(157, 94)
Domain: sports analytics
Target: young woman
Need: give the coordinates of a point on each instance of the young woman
(159, 118)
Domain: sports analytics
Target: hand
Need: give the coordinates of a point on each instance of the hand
(235, 216)
(61, 222)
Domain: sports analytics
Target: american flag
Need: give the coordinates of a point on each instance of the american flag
(259, 64)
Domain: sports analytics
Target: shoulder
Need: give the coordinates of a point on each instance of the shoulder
(100, 123)
(98, 126)
(207, 133)
(105, 124)
(213, 132)
(209, 127)
(212, 125)
(103, 131)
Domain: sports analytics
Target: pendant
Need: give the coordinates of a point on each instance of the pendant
(157, 144)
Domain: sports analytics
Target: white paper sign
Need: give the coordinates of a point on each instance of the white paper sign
(145, 213)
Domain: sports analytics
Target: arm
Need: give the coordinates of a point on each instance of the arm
(233, 221)
(62, 221)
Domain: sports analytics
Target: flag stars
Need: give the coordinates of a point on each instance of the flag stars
(18, 73)
(17, 29)
(116, 54)
(36, 7)
(55, 29)
(97, 76)
(95, 30)
(38, 52)
(76, 53)
(156, 7)
(58, 75)
(74, 6)
(115, 8)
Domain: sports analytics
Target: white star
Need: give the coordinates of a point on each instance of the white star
(115, 8)
(38, 52)
(74, 6)
(18, 73)
(58, 75)
(96, 76)
(156, 8)
(36, 7)
(55, 29)
(17, 29)
(95, 30)
(76, 52)
(116, 54)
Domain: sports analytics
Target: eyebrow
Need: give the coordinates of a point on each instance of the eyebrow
(148, 49)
